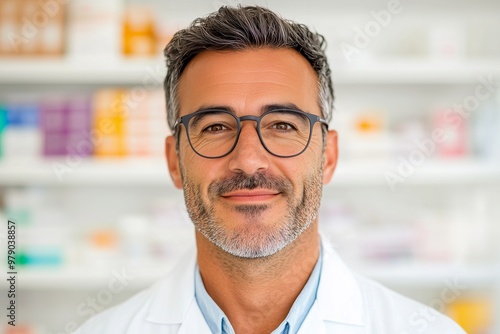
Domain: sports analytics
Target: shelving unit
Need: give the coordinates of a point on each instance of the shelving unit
(123, 71)
(433, 275)
(153, 172)
(78, 278)
(120, 172)
(413, 75)
(91, 71)
(416, 73)
(417, 275)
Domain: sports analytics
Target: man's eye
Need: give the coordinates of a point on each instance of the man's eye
(215, 128)
(282, 126)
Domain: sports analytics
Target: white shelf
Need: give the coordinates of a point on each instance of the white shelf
(84, 278)
(418, 275)
(418, 72)
(94, 172)
(447, 172)
(101, 71)
(153, 172)
(432, 274)
(121, 71)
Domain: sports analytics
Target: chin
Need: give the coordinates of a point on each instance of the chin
(256, 241)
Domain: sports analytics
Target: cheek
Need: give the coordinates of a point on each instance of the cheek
(309, 165)
(198, 171)
(315, 152)
(316, 145)
(187, 158)
(312, 157)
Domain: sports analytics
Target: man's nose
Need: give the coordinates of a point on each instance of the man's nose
(249, 156)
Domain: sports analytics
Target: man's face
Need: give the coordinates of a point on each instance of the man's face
(251, 203)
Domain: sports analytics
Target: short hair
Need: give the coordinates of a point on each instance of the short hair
(239, 28)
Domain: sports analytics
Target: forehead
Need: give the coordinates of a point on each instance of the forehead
(248, 80)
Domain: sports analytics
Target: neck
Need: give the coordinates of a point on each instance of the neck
(257, 294)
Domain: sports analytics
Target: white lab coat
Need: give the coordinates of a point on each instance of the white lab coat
(346, 304)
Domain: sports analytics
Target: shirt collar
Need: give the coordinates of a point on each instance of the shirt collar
(339, 297)
(219, 323)
(214, 316)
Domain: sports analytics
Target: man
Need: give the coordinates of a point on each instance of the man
(249, 97)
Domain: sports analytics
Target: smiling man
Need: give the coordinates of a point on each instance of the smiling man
(249, 98)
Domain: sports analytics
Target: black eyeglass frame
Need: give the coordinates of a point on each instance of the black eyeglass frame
(313, 119)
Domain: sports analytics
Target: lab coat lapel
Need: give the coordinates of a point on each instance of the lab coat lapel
(339, 294)
(175, 304)
(194, 321)
(313, 323)
(339, 304)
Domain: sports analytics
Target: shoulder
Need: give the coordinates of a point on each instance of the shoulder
(352, 298)
(159, 308)
(120, 318)
(390, 312)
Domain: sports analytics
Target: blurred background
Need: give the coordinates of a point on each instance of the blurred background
(414, 202)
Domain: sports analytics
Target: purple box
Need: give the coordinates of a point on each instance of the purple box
(79, 124)
(66, 123)
(53, 124)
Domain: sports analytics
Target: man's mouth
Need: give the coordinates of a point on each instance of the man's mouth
(254, 195)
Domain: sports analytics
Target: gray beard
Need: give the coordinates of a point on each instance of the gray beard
(255, 239)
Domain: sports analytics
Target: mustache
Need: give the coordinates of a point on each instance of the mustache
(242, 181)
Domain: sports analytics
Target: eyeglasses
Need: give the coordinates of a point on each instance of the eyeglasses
(214, 133)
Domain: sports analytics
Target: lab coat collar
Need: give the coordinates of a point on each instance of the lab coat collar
(174, 296)
(339, 297)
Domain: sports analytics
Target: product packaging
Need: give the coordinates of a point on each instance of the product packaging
(108, 124)
(32, 27)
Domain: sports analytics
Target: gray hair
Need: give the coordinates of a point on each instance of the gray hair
(238, 28)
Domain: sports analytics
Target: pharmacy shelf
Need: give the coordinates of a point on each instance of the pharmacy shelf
(90, 277)
(432, 172)
(97, 71)
(143, 275)
(95, 172)
(153, 172)
(321, 7)
(432, 274)
(149, 71)
(418, 72)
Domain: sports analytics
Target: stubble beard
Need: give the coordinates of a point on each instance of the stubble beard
(254, 237)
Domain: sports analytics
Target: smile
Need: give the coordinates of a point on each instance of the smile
(251, 195)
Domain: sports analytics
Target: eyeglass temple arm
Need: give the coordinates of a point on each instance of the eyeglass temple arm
(323, 121)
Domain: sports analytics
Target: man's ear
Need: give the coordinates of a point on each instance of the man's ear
(173, 161)
(331, 156)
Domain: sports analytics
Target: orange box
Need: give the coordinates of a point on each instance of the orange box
(11, 38)
(32, 27)
(139, 37)
(474, 315)
(109, 120)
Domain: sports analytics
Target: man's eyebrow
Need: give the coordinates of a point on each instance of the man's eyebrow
(278, 106)
(265, 108)
(196, 118)
(218, 107)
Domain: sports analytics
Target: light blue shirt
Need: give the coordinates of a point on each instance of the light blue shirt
(219, 323)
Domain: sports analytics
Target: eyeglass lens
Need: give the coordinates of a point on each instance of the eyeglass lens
(283, 133)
